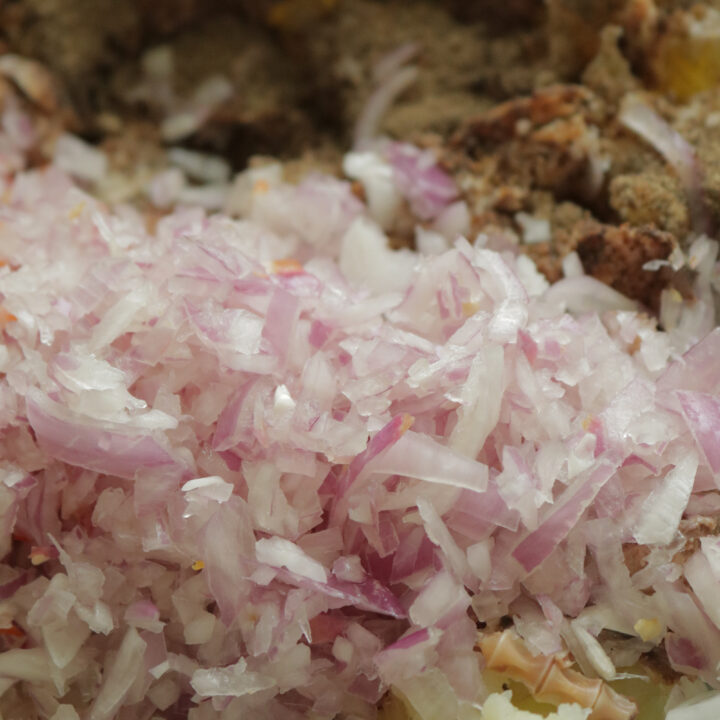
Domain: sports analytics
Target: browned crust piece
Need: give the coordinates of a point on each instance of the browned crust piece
(693, 529)
(616, 256)
(543, 143)
(635, 556)
(500, 124)
(546, 141)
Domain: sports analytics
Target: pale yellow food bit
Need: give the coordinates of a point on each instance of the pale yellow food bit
(38, 558)
(686, 66)
(76, 211)
(648, 629)
(469, 308)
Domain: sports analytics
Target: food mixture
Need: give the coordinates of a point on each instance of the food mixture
(359, 360)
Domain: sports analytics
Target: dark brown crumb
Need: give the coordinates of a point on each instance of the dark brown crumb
(616, 256)
(635, 556)
(700, 526)
(658, 666)
(574, 27)
(501, 123)
(693, 529)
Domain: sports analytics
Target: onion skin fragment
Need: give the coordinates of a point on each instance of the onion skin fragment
(550, 678)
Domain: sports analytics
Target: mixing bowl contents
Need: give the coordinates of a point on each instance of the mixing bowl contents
(404, 412)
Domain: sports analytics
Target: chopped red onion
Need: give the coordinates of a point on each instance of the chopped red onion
(270, 465)
(427, 187)
(663, 508)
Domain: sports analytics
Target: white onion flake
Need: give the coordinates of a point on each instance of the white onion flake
(663, 508)
(263, 466)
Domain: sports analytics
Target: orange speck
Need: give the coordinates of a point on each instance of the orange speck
(407, 422)
(261, 186)
(5, 318)
(287, 266)
(587, 422)
(198, 565)
(12, 631)
(20, 536)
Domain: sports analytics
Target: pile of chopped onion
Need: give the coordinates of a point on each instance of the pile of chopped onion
(265, 467)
